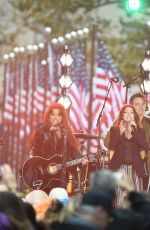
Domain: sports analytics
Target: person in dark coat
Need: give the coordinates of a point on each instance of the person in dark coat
(127, 139)
(53, 149)
(139, 102)
(136, 217)
(92, 213)
(48, 139)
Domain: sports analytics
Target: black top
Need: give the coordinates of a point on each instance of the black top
(47, 144)
(55, 151)
(127, 151)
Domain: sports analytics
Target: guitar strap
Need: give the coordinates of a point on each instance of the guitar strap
(64, 158)
(55, 142)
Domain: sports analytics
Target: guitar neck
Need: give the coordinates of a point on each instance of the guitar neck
(73, 162)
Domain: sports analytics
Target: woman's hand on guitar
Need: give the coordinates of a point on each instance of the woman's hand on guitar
(85, 160)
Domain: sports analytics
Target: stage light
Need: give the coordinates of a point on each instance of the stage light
(16, 50)
(43, 62)
(55, 41)
(68, 36)
(80, 32)
(74, 34)
(66, 59)
(6, 56)
(48, 30)
(11, 55)
(85, 30)
(29, 47)
(35, 47)
(65, 81)
(65, 101)
(133, 6)
(61, 39)
(22, 49)
(41, 45)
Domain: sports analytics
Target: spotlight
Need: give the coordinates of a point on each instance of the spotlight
(66, 59)
(65, 101)
(65, 81)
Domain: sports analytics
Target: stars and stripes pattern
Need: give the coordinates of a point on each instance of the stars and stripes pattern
(27, 94)
(31, 86)
(106, 70)
(78, 92)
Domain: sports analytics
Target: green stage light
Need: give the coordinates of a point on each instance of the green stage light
(133, 6)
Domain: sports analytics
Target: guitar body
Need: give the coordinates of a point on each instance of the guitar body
(45, 174)
(40, 173)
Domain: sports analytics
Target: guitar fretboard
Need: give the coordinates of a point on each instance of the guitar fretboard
(74, 162)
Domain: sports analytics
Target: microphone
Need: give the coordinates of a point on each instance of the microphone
(54, 126)
(114, 79)
(133, 125)
(62, 128)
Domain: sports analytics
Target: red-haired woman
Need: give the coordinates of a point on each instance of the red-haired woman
(53, 140)
(48, 139)
(127, 139)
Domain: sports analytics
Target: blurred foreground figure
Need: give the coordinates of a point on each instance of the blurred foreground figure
(8, 179)
(92, 213)
(104, 178)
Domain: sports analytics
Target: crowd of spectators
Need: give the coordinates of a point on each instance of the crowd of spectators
(96, 209)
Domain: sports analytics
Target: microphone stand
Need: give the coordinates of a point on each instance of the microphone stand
(100, 115)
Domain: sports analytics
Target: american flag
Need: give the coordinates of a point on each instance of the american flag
(78, 92)
(43, 92)
(105, 70)
(41, 88)
(26, 96)
(10, 111)
(8, 97)
(8, 106)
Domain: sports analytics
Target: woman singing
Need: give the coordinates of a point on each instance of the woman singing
(127, 139)
(54, 143)
(50, 137)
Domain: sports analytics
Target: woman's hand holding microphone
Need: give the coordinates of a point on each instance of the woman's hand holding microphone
(128, 128)
(56, 125)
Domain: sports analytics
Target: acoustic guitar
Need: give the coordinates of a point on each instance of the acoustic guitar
(38, 172)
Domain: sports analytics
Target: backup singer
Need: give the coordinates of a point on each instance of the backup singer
(127, 139)
(54, 140)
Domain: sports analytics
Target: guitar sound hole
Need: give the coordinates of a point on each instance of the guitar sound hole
(52, 169)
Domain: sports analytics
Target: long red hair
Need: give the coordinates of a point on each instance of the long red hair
(136, 116)
(65, 123)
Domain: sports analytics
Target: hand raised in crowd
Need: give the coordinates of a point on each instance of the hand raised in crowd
(125, 182)
(8, 177)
